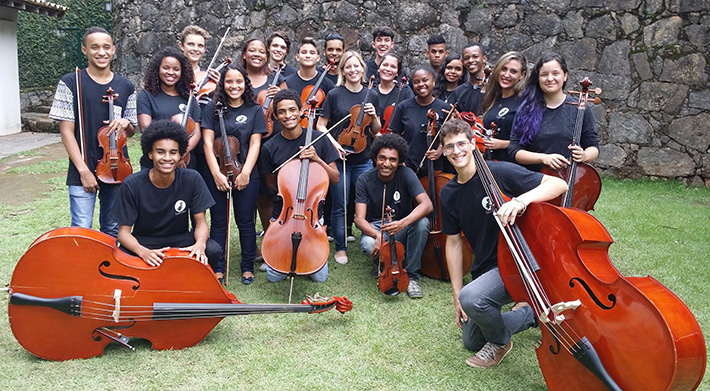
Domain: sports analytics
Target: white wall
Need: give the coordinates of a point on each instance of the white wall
(9, 77)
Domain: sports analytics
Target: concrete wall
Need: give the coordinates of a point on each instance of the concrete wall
(9, 77)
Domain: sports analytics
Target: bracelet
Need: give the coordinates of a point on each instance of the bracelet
(521, 204)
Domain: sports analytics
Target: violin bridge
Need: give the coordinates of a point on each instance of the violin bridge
(557, 309)
(117, 305)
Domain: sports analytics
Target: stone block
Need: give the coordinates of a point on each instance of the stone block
(286, 16)
(544, 24)
(346, 13)
(508, 17)
(580, 54)
(629, 23)
(643, 68)
(698, 35)
(629, 128)
(601, 27)
(662, 97)
(615, 59)
(689, 5)
(663, 32)
(664, 162)
(536, 51)
(688, 70)
(415, 16)
(700, 100)
(611, 155)
(479, 21)
(692, 131)
(572, 24)
(149, 43)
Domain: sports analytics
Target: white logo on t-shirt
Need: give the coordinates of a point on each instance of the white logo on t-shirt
(180, 206)
(182, 107)
(503, 112)
(241, 119)
(486, 203)
(396, 196)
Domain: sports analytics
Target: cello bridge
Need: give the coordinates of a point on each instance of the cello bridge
(299, 216)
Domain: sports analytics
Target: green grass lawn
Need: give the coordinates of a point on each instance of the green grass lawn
(660, 229)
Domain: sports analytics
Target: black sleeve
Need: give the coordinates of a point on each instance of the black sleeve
(124, 209)
(201, 197)
(450, 224)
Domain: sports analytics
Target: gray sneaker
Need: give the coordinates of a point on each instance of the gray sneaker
(490, 355)
(413, 290)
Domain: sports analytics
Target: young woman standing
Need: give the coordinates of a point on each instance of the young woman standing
(244, 120)
(349, 92)
(501, 101)
(544, 125)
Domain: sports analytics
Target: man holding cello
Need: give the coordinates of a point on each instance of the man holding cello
(405, 194)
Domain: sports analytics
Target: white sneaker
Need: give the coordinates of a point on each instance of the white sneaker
(413, 289)
(263, 267)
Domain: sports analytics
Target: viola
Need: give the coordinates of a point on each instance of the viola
(354, 138)
(208, 85)
(312, 97)
(390, 110)
(597, 325)
(302, 187)
(393, 279)
(584, 185)
(74, 291)
(186, 121)
(114, 166)
(265, 102)
(434, 255)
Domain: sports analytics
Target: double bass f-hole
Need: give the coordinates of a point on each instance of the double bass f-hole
(592, 295)
(107, 264)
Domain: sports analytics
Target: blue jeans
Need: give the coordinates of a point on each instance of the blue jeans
(244, 209)
(319, 276)
(413, 237)
(81, 206)
(482, 300)
(337, 214)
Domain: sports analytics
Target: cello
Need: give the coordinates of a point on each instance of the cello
(312, 97)
(393, 279)
(391, 109)
(114, 166)
(353, 139)
(434, 255)
(302, 187)
(583, 181)
(600, 330)
(72, 303)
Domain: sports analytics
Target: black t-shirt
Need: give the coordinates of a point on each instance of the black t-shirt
(288, 70)
(156, 212)
(278, 149)
(337, 105)
(468, 98)
(557, 131)
(332, 78)
(240, 122)
(411, 122)
(95, 112)
(502, 113)
(466, 207)
(402, 191)
(296, 83)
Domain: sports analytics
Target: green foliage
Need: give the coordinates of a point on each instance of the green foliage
(49, 47)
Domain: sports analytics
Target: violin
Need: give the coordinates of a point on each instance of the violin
(390, 110)
(486, 76)
(226, 149)
(584, 185)
(393, 279)
(74, 291)
(597, 325)
(354, 138)
(302, 187)
(265, 102)
(208, 85)
(312, 97)
(477, 126)
(114, 166)
(186, 121)
(434, 255)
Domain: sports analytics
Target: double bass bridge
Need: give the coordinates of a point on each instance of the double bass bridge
(557, 310)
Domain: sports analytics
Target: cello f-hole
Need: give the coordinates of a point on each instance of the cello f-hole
(593, 296)
(106, 264)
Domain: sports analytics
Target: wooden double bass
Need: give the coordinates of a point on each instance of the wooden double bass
(434, 255)
(114, 166)
(584, 185)
(600, 330)
(73, 292)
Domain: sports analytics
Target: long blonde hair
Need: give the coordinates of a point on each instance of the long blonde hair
(493, 90)
(341, 66)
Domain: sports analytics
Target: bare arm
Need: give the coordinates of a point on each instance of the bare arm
(549, 188)
(127, 240)
(252, 155)
(454, 261)
(201, 233)
(423, 208)
(88, 180)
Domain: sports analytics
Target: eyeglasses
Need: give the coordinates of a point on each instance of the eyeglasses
(461, 145)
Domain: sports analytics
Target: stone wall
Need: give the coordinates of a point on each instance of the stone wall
(649, 56)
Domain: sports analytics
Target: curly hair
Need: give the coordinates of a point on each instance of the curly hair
(440, 82)
(163, 129)
(221, 96)
(151, 81)
(390, 141)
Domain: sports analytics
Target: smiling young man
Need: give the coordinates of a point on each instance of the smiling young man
(280, 147)
(153, 206)
(333, 50)
(469, 94)
(465, 207)
(307, 74)
(405, 195)
(382, 42)
(84, 152)
(278, 45)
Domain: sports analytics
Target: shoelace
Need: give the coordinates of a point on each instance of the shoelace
(487, 352)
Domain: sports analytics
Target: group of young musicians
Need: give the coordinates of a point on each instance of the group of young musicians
(165, 204)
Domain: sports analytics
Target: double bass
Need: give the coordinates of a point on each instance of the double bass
(434, 255)
(600, 330)
(297, 243)
(353, 139)
(114, 166)
(583, 181)
(392, 279)
(74, 291)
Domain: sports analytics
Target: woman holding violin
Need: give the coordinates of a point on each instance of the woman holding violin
(390, 90)
(450, 75)
(244, 121)
(166, 93)
(348, 98)
(501, 101)
(544, 125)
